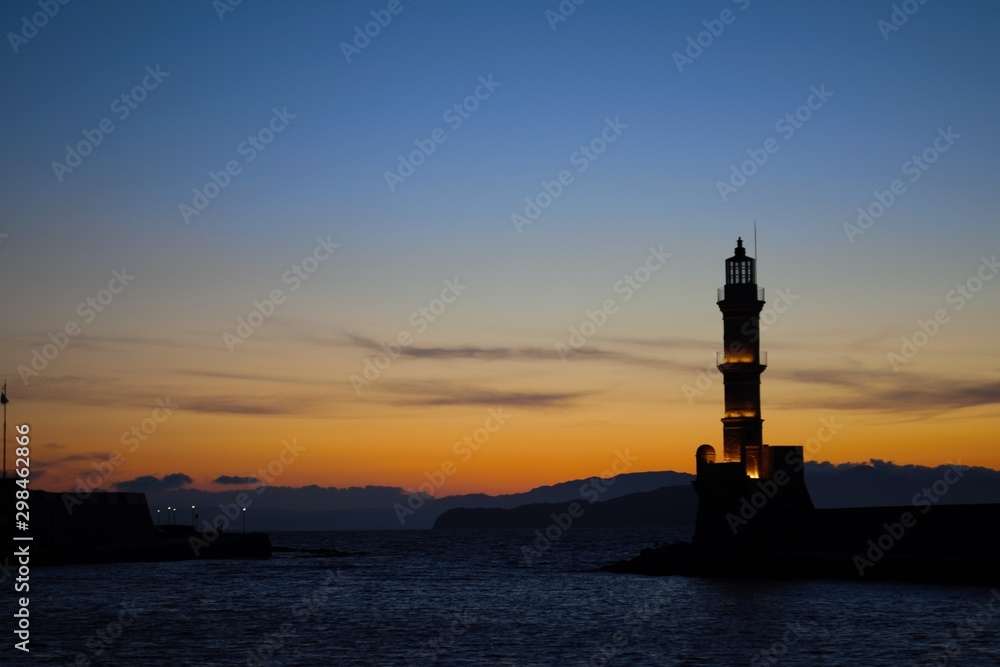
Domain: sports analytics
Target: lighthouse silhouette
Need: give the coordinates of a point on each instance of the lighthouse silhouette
(750, 497)
(755, 516)
(741, 362)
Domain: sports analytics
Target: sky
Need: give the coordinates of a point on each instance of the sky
(254, 240)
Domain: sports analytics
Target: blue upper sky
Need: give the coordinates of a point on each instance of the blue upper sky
(886, 95)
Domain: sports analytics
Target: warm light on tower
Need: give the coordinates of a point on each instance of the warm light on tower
(741, 361)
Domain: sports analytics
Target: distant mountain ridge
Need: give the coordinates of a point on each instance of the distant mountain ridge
(878, 483)
(314, 507)
(881, 483)
(667, 506)
(422, 515)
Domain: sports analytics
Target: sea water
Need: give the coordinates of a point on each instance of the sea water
(486, 598)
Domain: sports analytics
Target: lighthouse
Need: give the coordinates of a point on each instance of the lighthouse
(741, 362)
(756, 493)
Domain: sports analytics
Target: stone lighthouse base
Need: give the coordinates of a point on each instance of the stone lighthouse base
(767, 528)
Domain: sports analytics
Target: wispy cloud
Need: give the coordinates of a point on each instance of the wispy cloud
(240, 405)
(82, 457)
(104, 391)
(253, 377)
(884, 391)
(519, 353)
(663, 342)
(459, 351)
(436, 394)
(114, 343)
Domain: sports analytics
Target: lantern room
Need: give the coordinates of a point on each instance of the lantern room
(740, 269)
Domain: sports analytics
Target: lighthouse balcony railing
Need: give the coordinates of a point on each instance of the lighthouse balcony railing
(740, 358)
(738, 291)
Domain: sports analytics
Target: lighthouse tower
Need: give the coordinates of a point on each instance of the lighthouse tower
(756, 495)
(741, 362)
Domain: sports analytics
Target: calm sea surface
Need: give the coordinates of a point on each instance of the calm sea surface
(469, 598)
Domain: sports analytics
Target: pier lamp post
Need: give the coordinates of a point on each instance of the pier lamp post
(194, 518)
(157, 517)
(168, 515)
(244, 520)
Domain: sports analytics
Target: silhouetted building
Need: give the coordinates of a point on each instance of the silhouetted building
(740, 361)
(750, 473)
(755, 516)
(102, 526)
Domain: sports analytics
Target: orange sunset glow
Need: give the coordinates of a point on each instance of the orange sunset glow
(367, 259)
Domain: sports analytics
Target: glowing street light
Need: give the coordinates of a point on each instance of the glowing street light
(244, 520)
